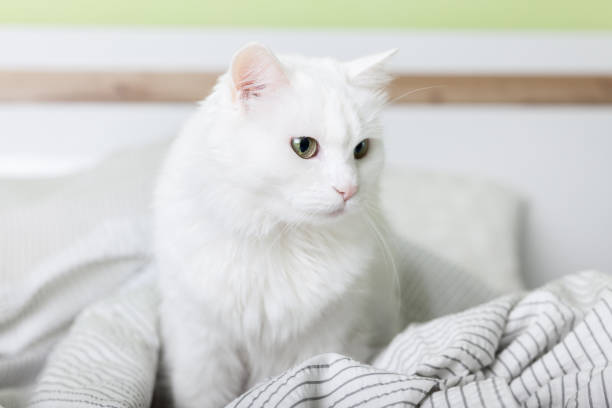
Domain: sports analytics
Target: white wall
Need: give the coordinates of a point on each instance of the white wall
(558, 158)
(196, 49)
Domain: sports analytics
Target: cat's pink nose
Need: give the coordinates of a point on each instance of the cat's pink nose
(347, 191)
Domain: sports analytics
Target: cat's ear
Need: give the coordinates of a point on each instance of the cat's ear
(255, 71)
(370, 71)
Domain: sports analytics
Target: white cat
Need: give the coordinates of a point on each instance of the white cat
(268, 233)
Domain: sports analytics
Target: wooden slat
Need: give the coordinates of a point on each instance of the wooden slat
(505, 89)
(53, 86)
(78, 86)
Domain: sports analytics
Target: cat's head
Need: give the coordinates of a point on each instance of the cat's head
(295, 140)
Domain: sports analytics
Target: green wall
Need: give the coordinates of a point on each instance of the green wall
(427, 14)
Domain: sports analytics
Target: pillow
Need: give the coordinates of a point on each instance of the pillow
(469, 222)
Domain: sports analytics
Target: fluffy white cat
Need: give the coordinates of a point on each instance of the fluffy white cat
(268, 235)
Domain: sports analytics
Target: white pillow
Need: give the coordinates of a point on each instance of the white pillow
(467, 221)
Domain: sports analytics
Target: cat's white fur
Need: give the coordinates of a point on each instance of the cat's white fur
(263, 264)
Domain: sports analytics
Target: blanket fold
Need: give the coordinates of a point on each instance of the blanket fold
(109, 357)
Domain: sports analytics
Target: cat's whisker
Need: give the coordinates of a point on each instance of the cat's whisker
(388, 255)
(280, 234)
(288, 227)
(425, 88)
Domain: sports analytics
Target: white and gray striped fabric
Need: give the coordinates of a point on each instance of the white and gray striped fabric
(109, 358)
(550, 348)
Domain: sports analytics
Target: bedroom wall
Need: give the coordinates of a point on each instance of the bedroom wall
(558, 158)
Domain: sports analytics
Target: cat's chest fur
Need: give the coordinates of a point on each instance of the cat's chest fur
(274, 288)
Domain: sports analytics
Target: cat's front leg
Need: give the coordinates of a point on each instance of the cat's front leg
(204, 367)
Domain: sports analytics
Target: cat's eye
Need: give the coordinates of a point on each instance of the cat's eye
(305, 147)
(361, 149)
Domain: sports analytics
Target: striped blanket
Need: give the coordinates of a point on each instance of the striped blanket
(548, 348)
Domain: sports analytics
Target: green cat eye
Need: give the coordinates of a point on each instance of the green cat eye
(361, 149)
(305, 147)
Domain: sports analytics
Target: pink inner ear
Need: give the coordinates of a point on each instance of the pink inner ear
(248, 89)
(255, 69)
